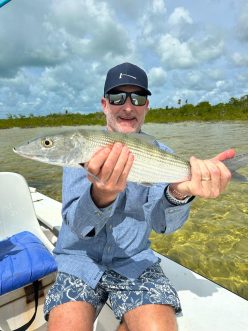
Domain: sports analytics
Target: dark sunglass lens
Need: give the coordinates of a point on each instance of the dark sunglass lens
(138, 100)
(117, 98)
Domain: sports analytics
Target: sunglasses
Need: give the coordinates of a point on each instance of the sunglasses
(119, 98)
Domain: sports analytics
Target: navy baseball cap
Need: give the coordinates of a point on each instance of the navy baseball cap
(126, 74)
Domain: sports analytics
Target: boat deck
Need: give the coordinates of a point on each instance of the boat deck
(206, 305)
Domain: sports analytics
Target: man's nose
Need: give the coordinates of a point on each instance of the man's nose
(128, 104)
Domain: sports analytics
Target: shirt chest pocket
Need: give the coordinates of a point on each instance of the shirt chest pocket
(130, 236)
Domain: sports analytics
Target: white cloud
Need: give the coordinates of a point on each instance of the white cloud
(158, 7)
(242, 24)
(59, 31)
(181, 24)
(28, 41)
(129, 10)
(194, 80)
(157, 77)
(210, 48)
(152, 23)
(215, 73)
(186, 54)
(180, 16)
(56, 52)
(243, 78)
(91, 24)
(175, 54)
(240, 59)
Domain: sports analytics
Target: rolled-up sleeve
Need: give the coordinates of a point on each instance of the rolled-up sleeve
(79, 211)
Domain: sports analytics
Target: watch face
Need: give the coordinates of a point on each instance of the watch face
(174, 200)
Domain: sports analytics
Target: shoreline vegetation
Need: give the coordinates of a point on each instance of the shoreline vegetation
(235, 110)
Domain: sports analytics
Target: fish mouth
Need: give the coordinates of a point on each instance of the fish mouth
(16, 150)
(22, 152)
(35, 157)
(19, 151)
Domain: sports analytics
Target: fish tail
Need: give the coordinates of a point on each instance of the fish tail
(239, 178)
(235, 163)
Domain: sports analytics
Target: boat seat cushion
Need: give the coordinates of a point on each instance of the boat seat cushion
(23, 259)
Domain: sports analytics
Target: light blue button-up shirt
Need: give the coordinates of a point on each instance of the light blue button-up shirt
(93, 240)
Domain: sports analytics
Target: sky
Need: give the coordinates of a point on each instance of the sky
(54, 54)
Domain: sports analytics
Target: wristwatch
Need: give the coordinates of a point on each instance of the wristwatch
(174, 200)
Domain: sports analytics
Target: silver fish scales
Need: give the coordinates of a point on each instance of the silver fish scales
(151, 164)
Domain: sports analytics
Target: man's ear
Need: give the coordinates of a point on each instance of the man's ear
(104, 104)
(147, 105)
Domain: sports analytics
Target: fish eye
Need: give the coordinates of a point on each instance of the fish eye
(47, 142)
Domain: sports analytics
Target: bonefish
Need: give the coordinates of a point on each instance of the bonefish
(151, 164)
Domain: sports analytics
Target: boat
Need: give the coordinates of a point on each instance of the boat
(206, 305)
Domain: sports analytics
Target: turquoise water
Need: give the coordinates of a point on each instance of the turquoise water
(214, 240)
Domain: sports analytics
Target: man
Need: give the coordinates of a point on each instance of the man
(103, 246)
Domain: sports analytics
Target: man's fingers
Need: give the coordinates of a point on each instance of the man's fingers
(228, 154)
(215, 179)
(96, 162)
(225, 176)
(205, 172)
(111, 162)
(196, 170)
(120, 165)
(126, 170)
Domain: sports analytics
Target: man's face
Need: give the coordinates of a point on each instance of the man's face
(125, 118)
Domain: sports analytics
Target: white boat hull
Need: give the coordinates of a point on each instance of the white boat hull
(206, 305)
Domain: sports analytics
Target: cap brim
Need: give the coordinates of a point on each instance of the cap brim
(118, 85)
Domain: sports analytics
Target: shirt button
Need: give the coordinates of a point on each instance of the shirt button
(111, 227)
(98, 213)
(109, 248)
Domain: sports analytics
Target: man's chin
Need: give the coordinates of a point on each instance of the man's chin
(128, 129)
(128, 126)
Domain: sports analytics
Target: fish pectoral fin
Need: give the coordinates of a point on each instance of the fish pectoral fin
(239, 178)
(97, 179)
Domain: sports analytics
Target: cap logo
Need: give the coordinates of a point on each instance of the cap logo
(121, 74)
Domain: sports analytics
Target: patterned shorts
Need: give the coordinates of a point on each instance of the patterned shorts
(152, 287)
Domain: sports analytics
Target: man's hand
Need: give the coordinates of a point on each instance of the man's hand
(111, 165)
(209, 178)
